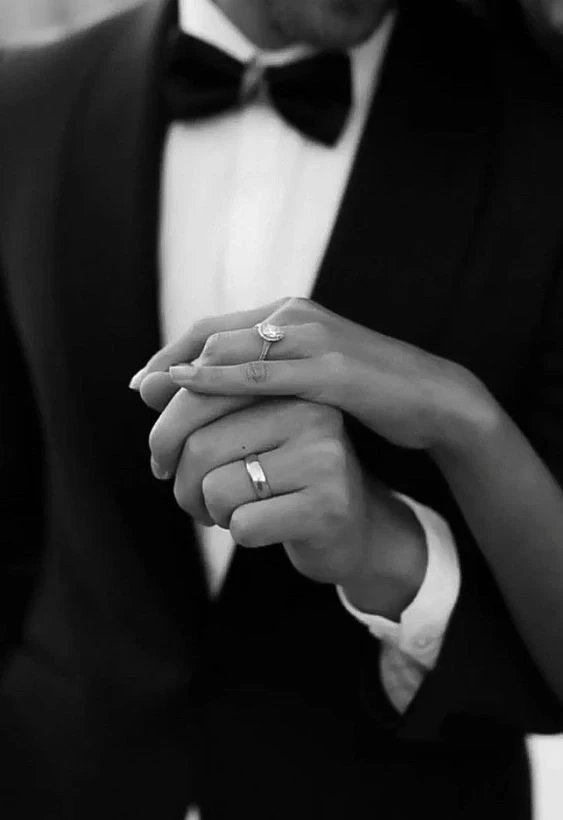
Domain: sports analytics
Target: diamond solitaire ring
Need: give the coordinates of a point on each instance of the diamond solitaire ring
(269, 334)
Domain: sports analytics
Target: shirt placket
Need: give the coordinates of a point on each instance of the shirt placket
(256, 208)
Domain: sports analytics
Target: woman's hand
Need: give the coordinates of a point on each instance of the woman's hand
(410, 397)
(507, 495)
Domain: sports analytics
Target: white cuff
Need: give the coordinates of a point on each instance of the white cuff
(420, 632)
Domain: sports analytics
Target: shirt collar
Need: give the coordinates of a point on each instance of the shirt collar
(203, 19)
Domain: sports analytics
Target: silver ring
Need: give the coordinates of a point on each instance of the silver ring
(269, 334)
(257, 478)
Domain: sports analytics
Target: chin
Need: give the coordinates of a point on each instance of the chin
(328, 24)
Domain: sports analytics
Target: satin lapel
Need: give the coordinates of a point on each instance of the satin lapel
(108, 291)
(411, 206)
(405, 224)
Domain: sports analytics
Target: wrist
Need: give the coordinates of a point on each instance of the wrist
(469, 417)
(387, 587)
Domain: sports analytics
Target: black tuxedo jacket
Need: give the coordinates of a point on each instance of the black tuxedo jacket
(123, 691)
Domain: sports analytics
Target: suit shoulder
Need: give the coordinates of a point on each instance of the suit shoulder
(528, 95)
(41, 89)
(529, 75)
(38, 79)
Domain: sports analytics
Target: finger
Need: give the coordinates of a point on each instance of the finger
(191, 343)
(257, 429)
(278, 519)
(157, 389)
(229, 486)
(296, 521)
(185, 413)
(238, 346)
(324, 378)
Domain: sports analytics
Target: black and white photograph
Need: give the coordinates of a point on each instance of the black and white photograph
(281, 409)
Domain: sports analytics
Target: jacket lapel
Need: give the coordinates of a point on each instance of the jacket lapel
(109, 209)
(397, 249)
(108, 299)
(395, 259)
(399, 243)
(409, 212)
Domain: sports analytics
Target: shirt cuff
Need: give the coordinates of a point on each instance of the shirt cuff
(420, 632)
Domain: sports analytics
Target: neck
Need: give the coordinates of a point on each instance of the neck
(323, 24)
(252, 18)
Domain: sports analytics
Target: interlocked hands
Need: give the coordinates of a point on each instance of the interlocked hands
(219, 404)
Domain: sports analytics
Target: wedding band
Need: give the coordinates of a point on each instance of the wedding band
(269, 334)
(257, 478)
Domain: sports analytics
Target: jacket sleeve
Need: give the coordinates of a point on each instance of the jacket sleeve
(21, 485)
(484, 673)
(21, 452)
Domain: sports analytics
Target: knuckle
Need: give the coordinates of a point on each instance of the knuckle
(331, 457)
(256, 372)
(341, 502)
(323, 512)
(202, 327)
(212, 348)
(196, 452)
(337, 450)
(320, 330)
(333, 506)
(299, 302)
(320, 336)
(280, 307)
(336, 420)
(336, 363)
(297, 307)
(305, 417)
(307, 412)
(200, 332)
(320, 417)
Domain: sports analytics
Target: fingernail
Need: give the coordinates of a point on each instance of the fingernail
(135, 382)
(181, 372)
(158, 471)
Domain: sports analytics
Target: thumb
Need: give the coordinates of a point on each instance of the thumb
(157, 389)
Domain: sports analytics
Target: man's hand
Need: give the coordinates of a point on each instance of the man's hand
(336, 525)
(509, 498)
(403, 393)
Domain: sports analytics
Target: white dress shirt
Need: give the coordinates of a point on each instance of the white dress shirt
(248, 205)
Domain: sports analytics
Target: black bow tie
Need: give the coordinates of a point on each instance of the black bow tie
(313, 94)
